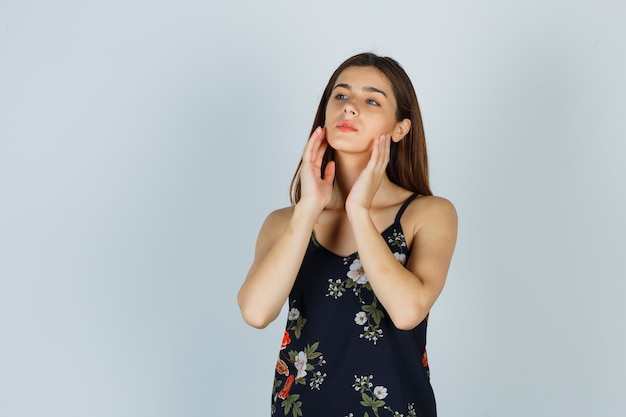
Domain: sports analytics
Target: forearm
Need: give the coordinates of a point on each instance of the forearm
(269, 282)
(399, 290)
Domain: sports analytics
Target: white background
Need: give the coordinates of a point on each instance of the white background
(142, 143)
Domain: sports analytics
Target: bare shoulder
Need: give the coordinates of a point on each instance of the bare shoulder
(274, 225)
(276, 222)
(433, 205)
(431, 213)
(433, 222)
(278, 219)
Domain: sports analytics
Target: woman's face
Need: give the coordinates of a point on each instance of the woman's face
(361, 108)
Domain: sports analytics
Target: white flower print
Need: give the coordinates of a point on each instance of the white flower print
(300, 364)
(361, 318)
(294, 313)
(373, 397)
(371, 334)
(335, 288)
(362, 382)
(380, 392)
(356, 273)
(400, 256)
(397, 239)
(317, 380)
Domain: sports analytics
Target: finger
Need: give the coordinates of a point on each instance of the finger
(329, 172)
(321, 150)
(322, 144)
(371, 163)
(386, 151)
(377, 160)
(377, 157)
(312, 144)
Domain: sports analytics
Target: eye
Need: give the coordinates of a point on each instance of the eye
(341, 96)
(372, 102)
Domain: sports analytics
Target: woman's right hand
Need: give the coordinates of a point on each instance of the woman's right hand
(316, 192)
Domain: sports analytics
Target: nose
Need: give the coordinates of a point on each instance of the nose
(350, 108)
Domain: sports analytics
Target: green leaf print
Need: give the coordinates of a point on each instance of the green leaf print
(367, 400)
(290, 401)
(311, 348)
(377, 315)
(373, 311)
(310, 351)
(296, 411)
(371, 402)
(277, 383)
(368, 308)
(297, 328)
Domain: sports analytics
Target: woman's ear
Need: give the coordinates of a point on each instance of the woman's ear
(401, 129)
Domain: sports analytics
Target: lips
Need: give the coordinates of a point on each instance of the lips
(346, 126)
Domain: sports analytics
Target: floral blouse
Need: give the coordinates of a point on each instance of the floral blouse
(341, 356)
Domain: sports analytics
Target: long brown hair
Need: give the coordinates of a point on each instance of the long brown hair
(408, 163)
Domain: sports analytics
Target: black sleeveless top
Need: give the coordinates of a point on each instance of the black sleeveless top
(341, 355)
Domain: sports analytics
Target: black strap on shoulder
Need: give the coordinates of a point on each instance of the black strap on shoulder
(404, 206)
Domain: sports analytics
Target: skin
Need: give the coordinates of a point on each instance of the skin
(349, 208)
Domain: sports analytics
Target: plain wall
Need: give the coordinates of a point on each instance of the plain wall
(142, 143)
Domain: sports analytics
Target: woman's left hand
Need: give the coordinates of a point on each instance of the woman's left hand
(365, 187)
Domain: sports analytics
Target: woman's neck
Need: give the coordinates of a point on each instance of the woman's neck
(347, 172)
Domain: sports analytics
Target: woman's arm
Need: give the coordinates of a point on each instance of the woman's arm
(283, 240)
(408, 293)
(280, 248)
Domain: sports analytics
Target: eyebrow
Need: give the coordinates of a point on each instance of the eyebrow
(370, 89)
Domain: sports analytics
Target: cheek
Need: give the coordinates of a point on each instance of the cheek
(383, 125)
(326, 116)
(331, 108)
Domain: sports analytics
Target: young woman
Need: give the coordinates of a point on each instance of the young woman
(361, 255)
